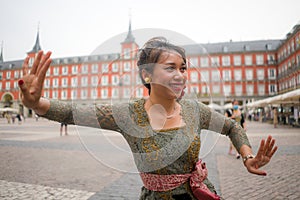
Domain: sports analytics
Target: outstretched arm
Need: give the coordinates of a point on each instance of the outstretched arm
(265, 152)
(31, 84)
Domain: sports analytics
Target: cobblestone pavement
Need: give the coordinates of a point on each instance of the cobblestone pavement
(37, 163)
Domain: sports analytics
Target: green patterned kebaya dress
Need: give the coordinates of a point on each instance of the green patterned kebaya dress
(164, 152)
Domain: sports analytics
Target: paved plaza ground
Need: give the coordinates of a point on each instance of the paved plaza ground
(38, 163)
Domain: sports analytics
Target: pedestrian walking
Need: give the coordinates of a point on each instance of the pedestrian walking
(275, 117)
(163, 130)
(62, 125)
(235, 114)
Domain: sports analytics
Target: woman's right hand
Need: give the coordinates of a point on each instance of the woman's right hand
(31, 84)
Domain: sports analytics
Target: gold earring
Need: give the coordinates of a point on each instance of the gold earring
(147, 80)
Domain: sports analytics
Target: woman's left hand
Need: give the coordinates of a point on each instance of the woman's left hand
(265, 152)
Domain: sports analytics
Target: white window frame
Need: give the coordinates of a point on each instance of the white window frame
(47, 83)
(216, 89)
(194, 62)
(95, 68)
(115, 93)
(194, 77)
(65, 70)
(272, 74)
(94, 80)
(84, 69)
(105, 67)
(204, 76)
(237, 60)
(54, 94)
(227, 75)
(215, 75)
(238, 90)
(115, 67)
(83, 94)
(227, 90)
(226, 61)
(84, 81)
(64, 82)
(75, 69)
(74, 82)
(127, 66)
(215, 61)
(126, 79)
(249, 74)
(104, 93)
(8, 75)
(94, 93)
(261, 89)
(74, 94)
(64, 94)
(259, 59)
(16, 74)
(260, 74)
(55, 82)
(115, 80)
(55, 71)
(250, 89)
(104, 80)
(248, 60)
(237, 74)
(204, 61)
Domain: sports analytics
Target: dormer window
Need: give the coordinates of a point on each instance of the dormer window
(126, 53)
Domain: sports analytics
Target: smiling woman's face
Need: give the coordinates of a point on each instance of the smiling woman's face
(169, 75)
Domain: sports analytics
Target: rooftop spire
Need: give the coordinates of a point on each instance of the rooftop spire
(129, 37)
(37, 45)
(1, 53)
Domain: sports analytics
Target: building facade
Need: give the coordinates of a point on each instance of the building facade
(218, 72)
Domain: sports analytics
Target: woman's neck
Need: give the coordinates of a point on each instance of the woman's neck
(169, 105)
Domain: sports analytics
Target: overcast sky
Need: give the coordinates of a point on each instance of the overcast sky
(78, 27)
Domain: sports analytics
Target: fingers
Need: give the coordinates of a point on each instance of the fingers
(24, 90)
(36, 62)
(257, 171)
(43, 70)
(25, 66)
(260, 151)
(42, 65)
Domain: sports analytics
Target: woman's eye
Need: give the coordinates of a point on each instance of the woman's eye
(170, 68)
(183, 69)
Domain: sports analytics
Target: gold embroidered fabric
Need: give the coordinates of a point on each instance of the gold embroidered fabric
(171, 151)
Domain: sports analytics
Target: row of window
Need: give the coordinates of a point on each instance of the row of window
(17, 74)
(205, 76)
(225, 60)
(94, 94)
(85, 69)
(92, 81)
(238, 89)
(291, 82)
(126, 92)
(288, 64)
(289, 47)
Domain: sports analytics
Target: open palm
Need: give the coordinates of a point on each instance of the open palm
(265, 152)
(31, 84)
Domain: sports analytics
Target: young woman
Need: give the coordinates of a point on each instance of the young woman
(163, 130)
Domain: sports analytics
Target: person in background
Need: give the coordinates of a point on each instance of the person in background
(275, 117)
(235, 114)
(62, 125)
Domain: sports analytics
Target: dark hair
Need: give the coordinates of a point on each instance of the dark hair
(150, 53)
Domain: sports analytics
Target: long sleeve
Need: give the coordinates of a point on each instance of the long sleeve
(82, 115)
(217, 122)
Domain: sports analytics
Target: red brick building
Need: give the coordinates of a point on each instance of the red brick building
(218, 72)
